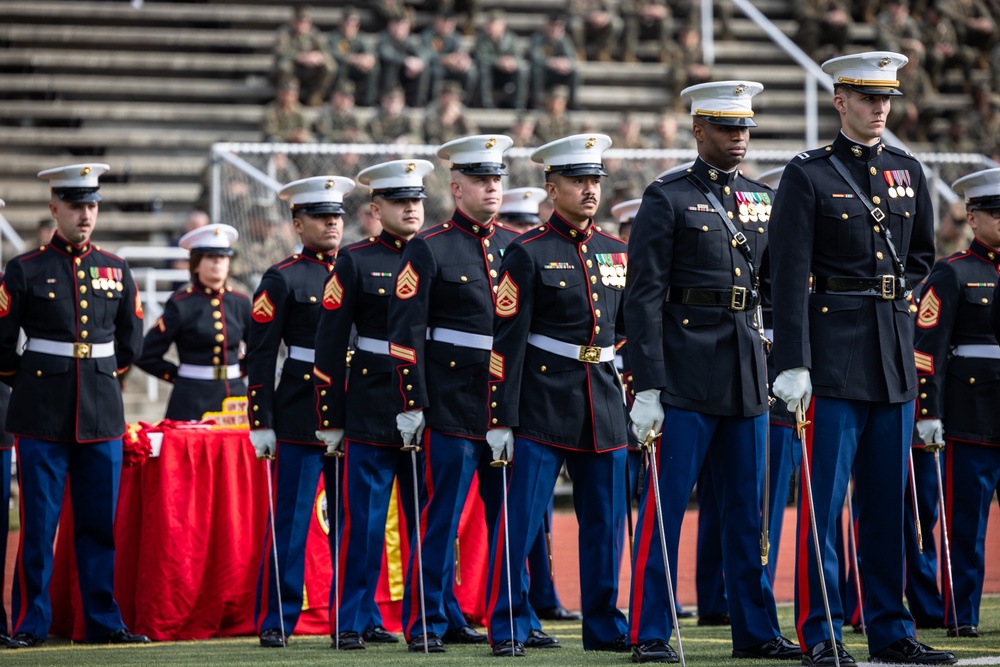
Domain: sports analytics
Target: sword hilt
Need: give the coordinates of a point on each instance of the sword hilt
(411, 448)
(800, 419)
(335, 455)
(765, 549)
(934, 447)
(650, 438)
(499, 463)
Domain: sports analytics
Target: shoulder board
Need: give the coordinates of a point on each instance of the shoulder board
(956, 255)
(805, 156)
(286, 262)
(897, 151)
(674, 176)
(445, 226)
(363, 243)
(760, 184)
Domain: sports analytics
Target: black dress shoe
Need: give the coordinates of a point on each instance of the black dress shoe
(434, 644)
(655, 650)
(557, 614)
(909, 650)
(24, 640)
(821, 655)
(348, 640)
(508, 648)
(464, 635)
(714, 619)
(619, 645)
(685, 613)
(379, 635)
(778, 648)
(271, 638)
(967, 630)
(123, 636)
(538, 639)
(4, 638)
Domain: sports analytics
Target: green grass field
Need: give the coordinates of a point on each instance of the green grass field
(702, 646)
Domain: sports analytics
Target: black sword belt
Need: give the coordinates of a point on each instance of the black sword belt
(887, 287)
(734, 298)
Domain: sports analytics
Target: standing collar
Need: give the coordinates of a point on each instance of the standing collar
(712, 174)
(466, 224)
(985, 253)
(318, 255)
(846, 147)
(67, 248)
(571, 232)
(392, 241)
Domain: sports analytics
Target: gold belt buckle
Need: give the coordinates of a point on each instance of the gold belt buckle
(81, 350)
(220, 372)
(889, 287)
(590, 354)
(739, 298)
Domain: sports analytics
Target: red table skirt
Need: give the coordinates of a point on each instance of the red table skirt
(189, 532)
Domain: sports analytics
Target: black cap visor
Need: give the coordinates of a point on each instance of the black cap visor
(319, 208)
(579, 169)
(481, 168)
(519, 218)
(77, 195)
(872, 90)
(986, 203)
(731, 121)
(400, 193)
(209, 250)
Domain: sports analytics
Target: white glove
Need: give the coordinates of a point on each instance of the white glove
(647, 413)
(265, 442)
(931, 431)
(793, 385)
(411, 426)
(501, 441)
(333, 438)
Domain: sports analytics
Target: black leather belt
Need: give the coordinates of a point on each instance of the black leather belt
(884, 287)
(734, 298)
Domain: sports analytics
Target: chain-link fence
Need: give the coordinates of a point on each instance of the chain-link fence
(246, 178)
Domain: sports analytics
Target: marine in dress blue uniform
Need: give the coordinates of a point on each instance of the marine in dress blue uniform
(286, 309)
(849, 339)
(692, 306)
(555, 396)
(958, 365)
(440, 334)
(6, 445)
(81, 313)
(209, 370)
(356, 409)
(519, 212)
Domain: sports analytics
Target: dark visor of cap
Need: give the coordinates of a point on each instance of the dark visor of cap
(579, 169)
(481, 168)
(77, 195)
(400, 193)
(523, 218)
(731, 121)
(987, 202)
(319, 208)
(211, 250)
(872, 90)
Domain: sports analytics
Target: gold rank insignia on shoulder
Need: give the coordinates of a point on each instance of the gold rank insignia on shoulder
(613, 267)
(507, 297)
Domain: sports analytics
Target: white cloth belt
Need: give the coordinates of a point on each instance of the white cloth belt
(769, 334)
(460, 338)
(306, 354)
(586, 353)
(196, 372)
(980, 351)
(373, 345)
(73, 350)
